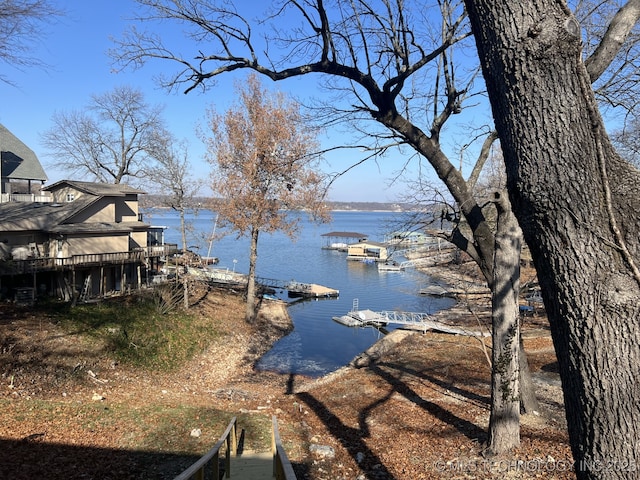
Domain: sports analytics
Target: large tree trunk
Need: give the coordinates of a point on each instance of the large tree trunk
(583, 241)
(504, 422)
(482, 250)
(251, 280)
(528, 399)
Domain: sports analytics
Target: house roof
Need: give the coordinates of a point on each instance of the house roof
(29, 216)
(97, 227)
(98, 189)
(51, 218)
(18, 161)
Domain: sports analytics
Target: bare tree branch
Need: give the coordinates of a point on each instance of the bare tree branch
(617, 33)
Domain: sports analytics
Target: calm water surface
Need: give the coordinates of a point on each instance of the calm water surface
(317, 345)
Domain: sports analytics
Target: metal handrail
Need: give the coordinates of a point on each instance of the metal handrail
(230, 439)
(282, 468)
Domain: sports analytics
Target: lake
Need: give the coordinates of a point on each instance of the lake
(317, 345)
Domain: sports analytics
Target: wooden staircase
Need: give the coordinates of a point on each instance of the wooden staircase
(242, 466)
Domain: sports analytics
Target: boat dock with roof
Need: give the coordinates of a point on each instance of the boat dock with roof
(340, 240)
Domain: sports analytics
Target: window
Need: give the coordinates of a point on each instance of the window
(70, 197)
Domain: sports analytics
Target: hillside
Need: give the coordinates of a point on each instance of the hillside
(415, 407)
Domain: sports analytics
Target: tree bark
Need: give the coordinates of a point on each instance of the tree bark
(504, 422)
(583, 242)
(528, 400)
(251, 280)
(183, 228)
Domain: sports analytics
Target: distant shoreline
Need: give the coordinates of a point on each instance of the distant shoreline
(155, 202)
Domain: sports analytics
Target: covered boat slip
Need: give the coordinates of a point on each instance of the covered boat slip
(341, 240)
(357, 246)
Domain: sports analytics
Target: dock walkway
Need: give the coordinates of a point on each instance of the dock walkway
(294, 289)
(418, 321)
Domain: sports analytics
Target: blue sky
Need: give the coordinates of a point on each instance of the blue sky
(75, 48)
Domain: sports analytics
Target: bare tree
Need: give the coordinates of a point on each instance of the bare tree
(627, 141)
(376, 51)
(264, 168)
(172, 180)
(611, 51)
(113, 139)
(398, 71)
(572, 194)
(21, 27)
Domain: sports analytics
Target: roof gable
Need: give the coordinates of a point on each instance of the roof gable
(94, 188)
(18, 161)
(29, 216)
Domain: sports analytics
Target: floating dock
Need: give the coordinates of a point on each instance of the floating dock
(361, 318)
(417, 321)
(294, 289)
(310, 290)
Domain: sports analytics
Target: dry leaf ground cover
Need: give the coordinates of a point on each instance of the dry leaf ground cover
(416, 408)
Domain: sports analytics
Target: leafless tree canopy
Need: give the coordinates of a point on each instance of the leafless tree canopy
(113, 139)
(612, 50)
(21, 28)
(390, 62)
(171, 178)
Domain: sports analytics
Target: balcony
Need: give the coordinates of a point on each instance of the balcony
(25, 197)
(41, 264)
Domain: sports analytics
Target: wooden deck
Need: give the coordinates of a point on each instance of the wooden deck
(311, 290)
(294, 289)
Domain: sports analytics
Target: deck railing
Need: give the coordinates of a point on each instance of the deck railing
(210, 461)
(282, 468)
(52, 263)
(25, 197)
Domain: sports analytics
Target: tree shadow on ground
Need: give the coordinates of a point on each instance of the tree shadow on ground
(480, 400)
(353, 439)
(467, 428)
(32, 458)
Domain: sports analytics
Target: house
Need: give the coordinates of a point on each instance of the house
(70, 239)
(368, 251)
(88, 240)
(20, 169)
(103, 218)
